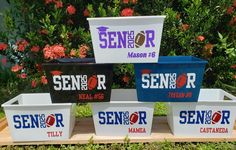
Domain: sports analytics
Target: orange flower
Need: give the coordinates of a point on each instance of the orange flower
(59, 4)
(21, 45)
(54, 51)
(200, 38)
(21, 48)
(208, 46)
(44, 80)
(127, 12)
(33, 84)
(233, 66)
(234, 76)
(3, 46)
(23, 76)
(126, 79)
(125, 1)
(71, 10)
(83, 51)
(230, 10)
(24, 42)
(73, 53)
(134, 1)
(16, 68)
(86, 12)
(35, 48)
(185, 27)
(48, 1)
(207, 49)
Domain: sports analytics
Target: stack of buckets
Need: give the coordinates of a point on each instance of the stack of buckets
(176, 80)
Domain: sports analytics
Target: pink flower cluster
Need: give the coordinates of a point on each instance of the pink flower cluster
(58, 3)
(54, 51)
(35, 48)
(71, 10)
(127, 12)
(83, 50)
(43, 81)
(21, 45)
(16, 68)
(3, 46)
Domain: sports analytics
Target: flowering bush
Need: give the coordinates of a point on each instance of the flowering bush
(54, 52)
(41, 30)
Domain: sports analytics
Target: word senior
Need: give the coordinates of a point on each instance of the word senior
(79, 82)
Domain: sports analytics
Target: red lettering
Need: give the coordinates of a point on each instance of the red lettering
(137, 130)
(54, 133)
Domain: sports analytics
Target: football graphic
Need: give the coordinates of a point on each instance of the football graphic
(92, 82)
(133, 118)
(139, 39)
(145, 71)
(55, 73)
(216, 117)
(181, 80)
(50, 120)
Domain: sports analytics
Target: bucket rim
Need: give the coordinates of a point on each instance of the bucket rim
(202, 102)
(127, 18)
(193, 60)
(36, 105)
(121, 102)
(77, 64)
(9, 103)
(74, 61)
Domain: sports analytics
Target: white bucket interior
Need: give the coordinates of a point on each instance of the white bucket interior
(34, 99)
(117, 21)
(214, 95)
(124, 96)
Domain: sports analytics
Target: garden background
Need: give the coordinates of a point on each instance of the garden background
(37, 31)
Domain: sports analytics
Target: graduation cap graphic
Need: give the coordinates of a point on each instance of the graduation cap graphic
(102, 29)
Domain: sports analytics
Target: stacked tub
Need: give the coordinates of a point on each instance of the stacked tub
(33, 117)
(192, 112)
(125, 40)
(176, 80)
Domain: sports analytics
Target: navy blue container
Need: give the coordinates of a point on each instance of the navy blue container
(172, 79)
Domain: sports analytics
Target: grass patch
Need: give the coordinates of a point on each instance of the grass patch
(1, 113)
(134, 146)
(83, 110)
(160, 109)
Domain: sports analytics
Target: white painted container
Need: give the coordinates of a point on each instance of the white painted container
(33, 117)
(126, 39)
(211, 116)
(123, 115)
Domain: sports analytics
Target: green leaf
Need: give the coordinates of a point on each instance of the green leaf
(220, 35)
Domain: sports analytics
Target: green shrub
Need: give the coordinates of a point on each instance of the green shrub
(205, 29)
